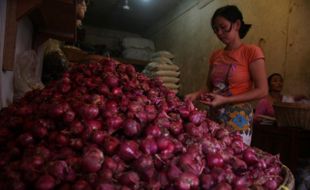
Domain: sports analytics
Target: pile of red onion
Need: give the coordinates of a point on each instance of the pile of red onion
(104, 126)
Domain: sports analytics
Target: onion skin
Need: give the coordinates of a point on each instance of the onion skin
(223, 186)
(207, 181)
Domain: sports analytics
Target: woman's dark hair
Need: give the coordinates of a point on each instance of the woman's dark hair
(232, 13)
(270, 78)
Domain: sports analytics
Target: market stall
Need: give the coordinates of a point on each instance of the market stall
(118, 120)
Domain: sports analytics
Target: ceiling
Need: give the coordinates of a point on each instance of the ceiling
(142, 14)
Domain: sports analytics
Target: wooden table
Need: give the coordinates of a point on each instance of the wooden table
(291, 143)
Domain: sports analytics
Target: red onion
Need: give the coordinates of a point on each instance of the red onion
(92, 160)
(62, 140)
(69, 116)
(222, 186)
(176, 128)
(45, 182)
(81, 185)
(187, 181)
(105, 175)
(249, 156)
(39, 131)
(197, 117)
(143, 162)
(111, 81)
(93, 124)
(237, 145)
(98, 137)
(271, 184)
(193, 130)
(76, 127)
(240, 182)
(129, 150)
(207, 181)
(110, 145)
(214, 160)
(173, 172)
(151, 112)
(24, 110)
(76, 143)
(109, 163)
(238, 165)
(89, 111)
(25, 139)
(113, 123)
(149, 145)
(131, 127)
(58, 169)
(104, 89)
(130, 179)
(153, 130)
(105, 186)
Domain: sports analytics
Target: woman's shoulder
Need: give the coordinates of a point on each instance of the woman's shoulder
(251, 47)
(252, 52)
(217, 52)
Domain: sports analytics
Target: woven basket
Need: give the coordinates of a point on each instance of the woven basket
(74, 54)
(288, 177)
(289, 180)
(292, 115)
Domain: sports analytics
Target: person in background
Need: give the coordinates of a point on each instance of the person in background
(236, 74)
(264, 106)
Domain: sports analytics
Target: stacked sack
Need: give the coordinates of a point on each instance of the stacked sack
(163, 67)
(137, 48)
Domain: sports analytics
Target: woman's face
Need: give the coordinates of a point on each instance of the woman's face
(225, 30)
(276, 83)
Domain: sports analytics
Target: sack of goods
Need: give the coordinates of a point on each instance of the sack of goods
(137, 48)
(162, 66)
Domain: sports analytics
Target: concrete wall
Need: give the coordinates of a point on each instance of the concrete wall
(278, 27)
(111, 38)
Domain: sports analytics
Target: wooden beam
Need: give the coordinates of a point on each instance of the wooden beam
(23, 7)
(10, 36)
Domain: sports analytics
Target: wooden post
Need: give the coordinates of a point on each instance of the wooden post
(10, 36)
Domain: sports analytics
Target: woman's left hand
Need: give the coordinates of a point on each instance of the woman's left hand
(215, 100)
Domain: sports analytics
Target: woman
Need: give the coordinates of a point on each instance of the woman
(236, 74)
(264, 106)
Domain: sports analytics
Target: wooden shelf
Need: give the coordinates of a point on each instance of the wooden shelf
(54, 19)
(23, 7)
(139, 64)
(51, 19)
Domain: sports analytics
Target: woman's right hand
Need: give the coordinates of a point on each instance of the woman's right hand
(192, 96)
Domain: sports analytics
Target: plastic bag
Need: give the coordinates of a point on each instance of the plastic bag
(26, 74)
